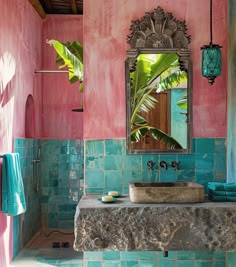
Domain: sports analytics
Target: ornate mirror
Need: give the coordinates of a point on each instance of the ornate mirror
(158, 85)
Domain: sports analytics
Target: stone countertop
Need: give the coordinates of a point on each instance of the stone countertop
(127, 226)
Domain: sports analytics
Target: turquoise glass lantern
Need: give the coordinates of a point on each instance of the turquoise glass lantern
(211, 62)
(211, 57)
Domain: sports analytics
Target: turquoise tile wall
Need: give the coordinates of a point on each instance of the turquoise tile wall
(155, 258)
(27, 224)
(107, 166)
(60, 173)
(61, 181)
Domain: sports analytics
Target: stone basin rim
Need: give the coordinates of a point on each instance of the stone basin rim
(166, 184)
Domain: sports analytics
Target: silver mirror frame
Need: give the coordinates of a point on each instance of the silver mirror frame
(157, 33)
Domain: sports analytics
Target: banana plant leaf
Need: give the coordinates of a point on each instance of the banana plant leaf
(157, 134)
(70, 55)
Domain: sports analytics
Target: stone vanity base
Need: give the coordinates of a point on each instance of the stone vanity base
(126, 226)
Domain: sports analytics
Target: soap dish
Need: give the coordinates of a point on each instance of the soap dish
(110, 201)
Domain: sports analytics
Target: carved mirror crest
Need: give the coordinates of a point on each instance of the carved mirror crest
(158, 85)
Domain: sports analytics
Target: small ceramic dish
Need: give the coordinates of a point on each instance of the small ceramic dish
(113, 199)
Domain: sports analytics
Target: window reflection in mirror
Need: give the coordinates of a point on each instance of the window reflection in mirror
(157, 104)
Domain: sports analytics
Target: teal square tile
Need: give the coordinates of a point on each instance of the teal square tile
(129, 264)
(168, 176)
(93, 255)
(93, 264)
(111, 264)
(113, 162)
(129, 256)
(111, 255)
(186, 176)
(185, 263)
(185, 255)
(219, 255)
(115, 147)
(219, 264)
(220, 163)
(94, 162)
(131, 176)
(94, 179)
(203, 264)
(113, 179)
(220, 145)
(147, 263)
(231, 259)
(204, 255)
(132, 162)
(204, 161)
(205, 145)
(147, 255)
(97, 191)
(166, 263)
(94, 147)
(150, 176)
(186, 162)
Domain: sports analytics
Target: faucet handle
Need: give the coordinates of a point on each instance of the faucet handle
(175, 165)
(150, 164)
(163, 164)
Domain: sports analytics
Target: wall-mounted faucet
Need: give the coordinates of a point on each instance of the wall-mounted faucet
(163, 164)
(175, 165)
(150, 165)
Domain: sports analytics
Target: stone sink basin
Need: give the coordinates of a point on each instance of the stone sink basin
(166, 192)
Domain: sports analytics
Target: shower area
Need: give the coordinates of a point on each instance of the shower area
(52, 172)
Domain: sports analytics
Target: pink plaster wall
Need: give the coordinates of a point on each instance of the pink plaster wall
(59, 96)
(20, 54)
(106, 26)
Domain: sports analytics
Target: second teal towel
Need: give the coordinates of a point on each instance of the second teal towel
(13, 196)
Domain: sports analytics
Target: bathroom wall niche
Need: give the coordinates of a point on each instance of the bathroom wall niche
(29, 117)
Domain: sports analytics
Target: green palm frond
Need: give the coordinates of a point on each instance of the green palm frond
(70, 55)
(171, 80)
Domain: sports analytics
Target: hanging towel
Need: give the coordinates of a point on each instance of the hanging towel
(13, 196)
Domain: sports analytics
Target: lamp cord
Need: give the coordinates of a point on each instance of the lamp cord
(210, 21)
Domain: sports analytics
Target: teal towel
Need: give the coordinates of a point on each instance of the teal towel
(230, 187)
(13, 196)
(217, 198)
(221, 193)
(221, 198)
(216, 186)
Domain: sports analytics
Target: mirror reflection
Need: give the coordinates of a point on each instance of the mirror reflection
(157, 103)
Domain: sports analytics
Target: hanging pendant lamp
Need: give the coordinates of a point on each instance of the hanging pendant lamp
(211, 57)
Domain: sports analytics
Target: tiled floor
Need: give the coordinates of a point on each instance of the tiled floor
(39, 253)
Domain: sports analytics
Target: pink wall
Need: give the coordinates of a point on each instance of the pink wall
(20, 54)
(59, 96)
(106, 26)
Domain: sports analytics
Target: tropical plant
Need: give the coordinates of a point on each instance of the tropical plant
(70, 55)
(153, 73)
